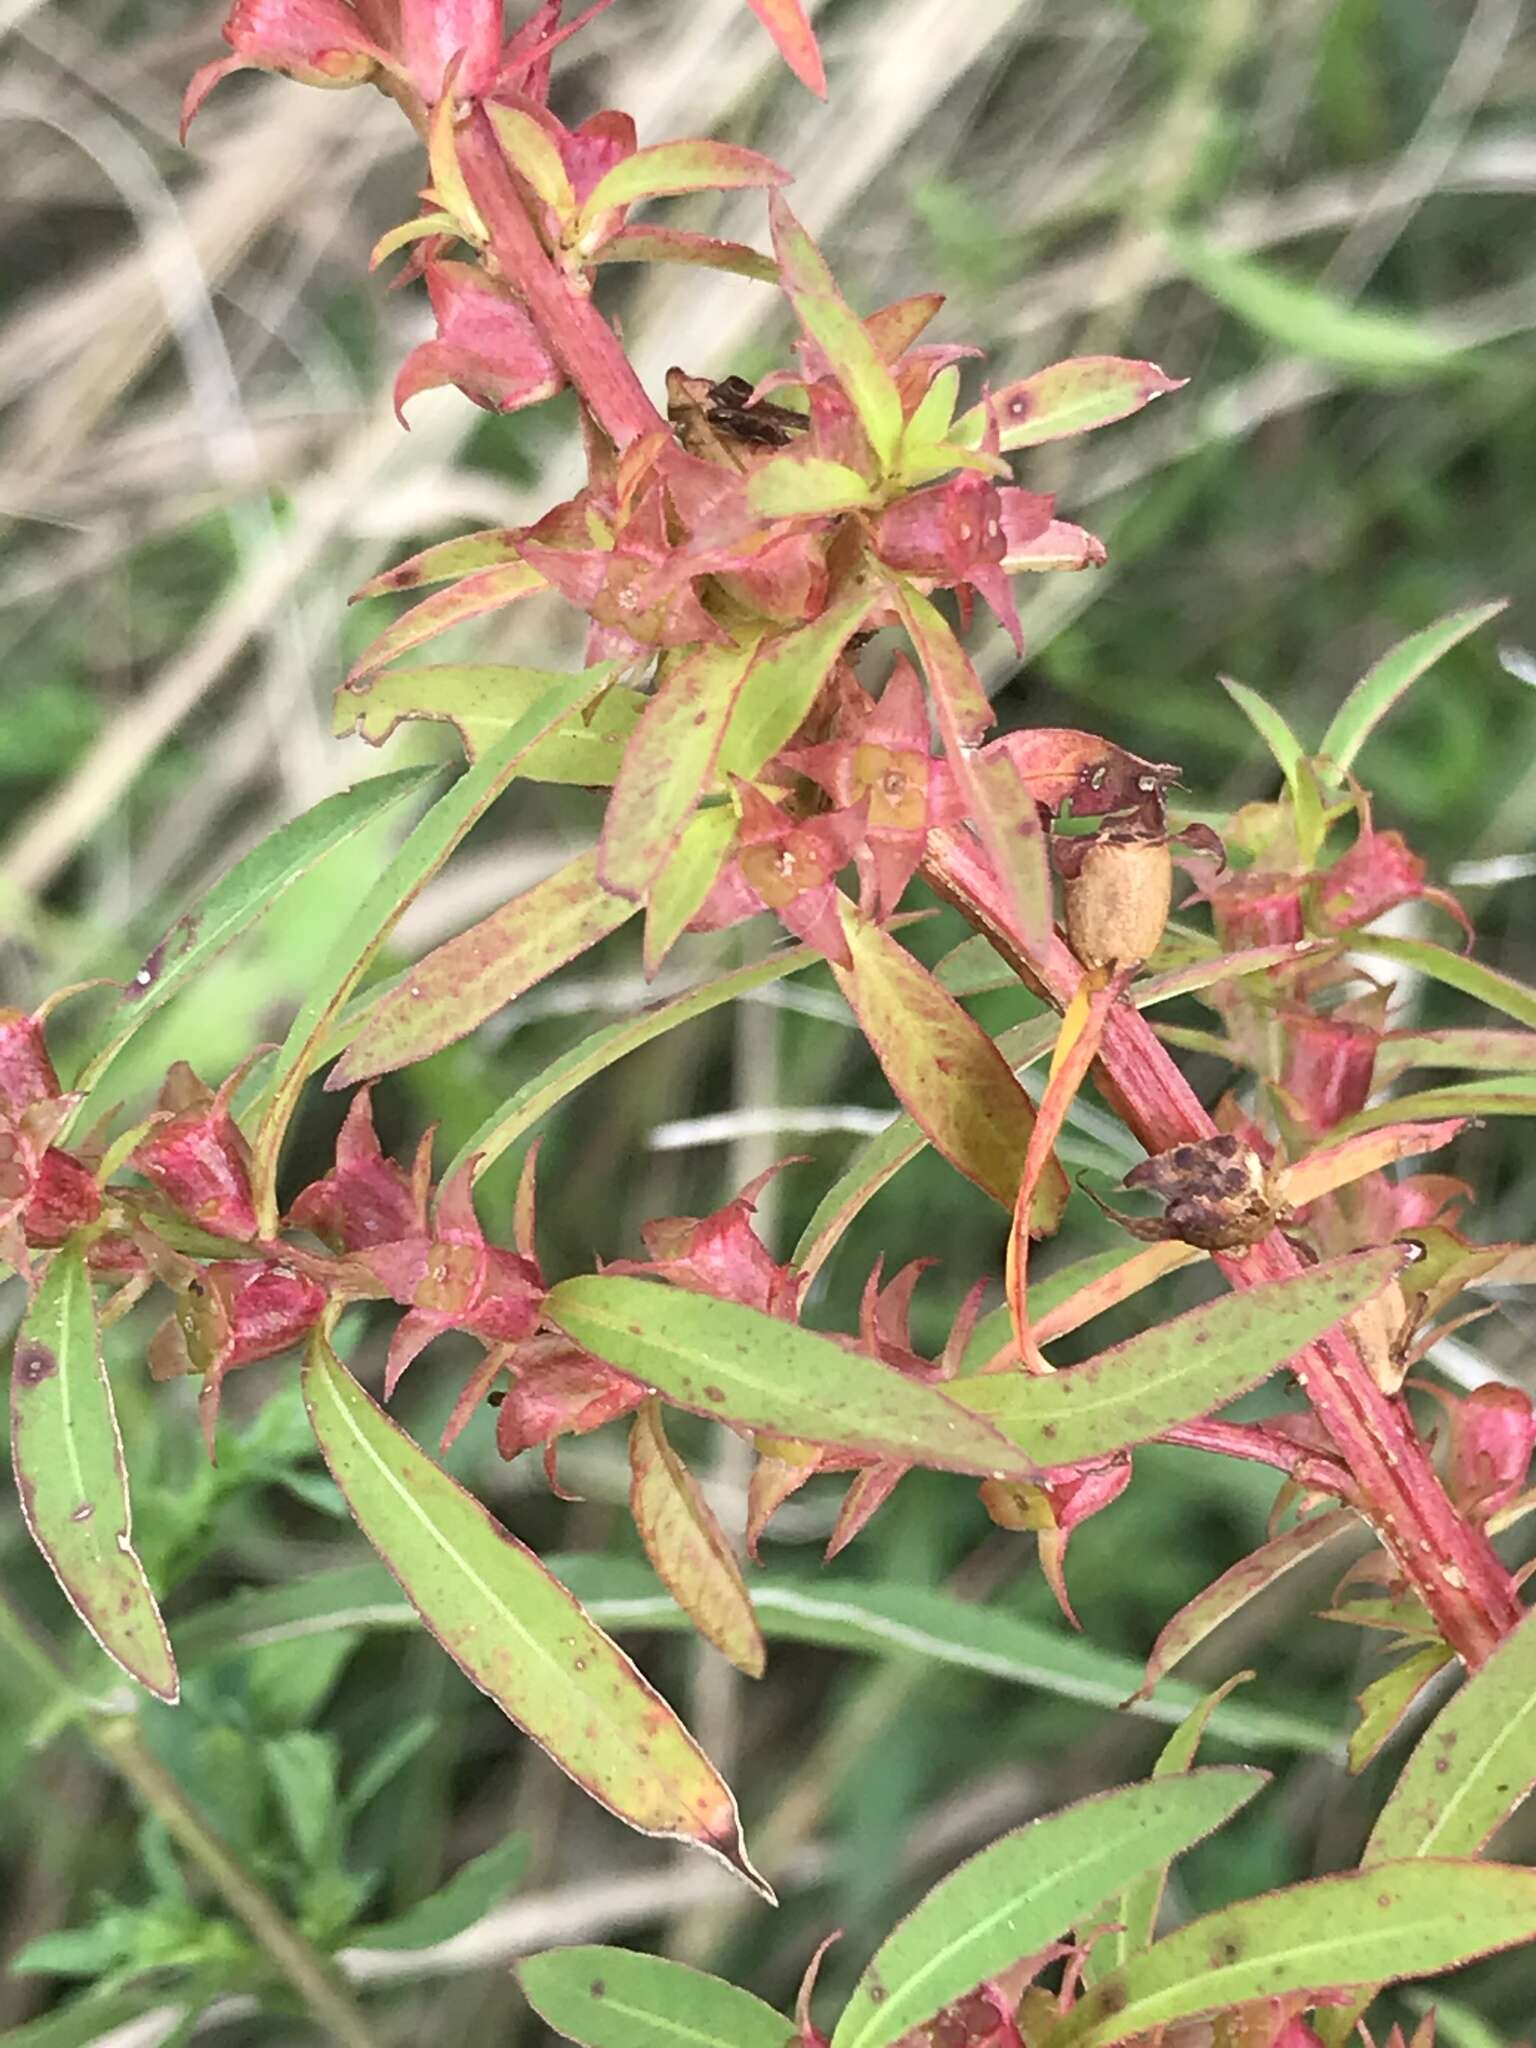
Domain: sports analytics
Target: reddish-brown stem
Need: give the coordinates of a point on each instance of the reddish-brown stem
(1241, 1440)
(576, 334)
(1450, 1564)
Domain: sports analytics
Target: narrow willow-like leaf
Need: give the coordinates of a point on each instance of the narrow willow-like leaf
(680, 889)
(1473, 1765)
(1336, 1165)
(1387, 1699)
(669, 763)
(474, 1888)
(648, 244)
(871, 1619)
(444, 562)
(686, 1544)
(1272, 728)
(723, 1359)
(1027, 1890)
(613, 1998)
(781, 686)
(417, 861)
(1455, 970)
(944, 1069)
(483, 701)
(513, 1629)
(1365, 1927)
(801, 486)
(1177, 1371)
(240, 898)
(470, 598)
(1388, 679)
(668, 168)
(787, 22)
(1243, 1582)
(1508, 1095)
(614, 1042)
(837, 331)
(1476, 1052)
(70, 1477)
(532, 153)
(1068, 398)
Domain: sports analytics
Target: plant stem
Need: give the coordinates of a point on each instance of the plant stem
(118, 1741)
(1449, 1563)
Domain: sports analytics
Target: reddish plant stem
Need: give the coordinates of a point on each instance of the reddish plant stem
(1316, 1473)
(575, 333)
(1451, 1565)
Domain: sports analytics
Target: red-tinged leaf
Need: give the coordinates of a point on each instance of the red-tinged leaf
(672, 167)
(1068, 398)
(782, 685)
(1335, 1166)
(1362, 1927)
(724, 1359)
(513, 1629)
(445, 562)
(689, 1549)
(787, 23)
(1077, 1046)
(804, 486)
(486, 591)
(70, 1477)
(410, 231)
(669, 763)
(944, 1069)
(649, 244)
(689, 875)
(532, 152)
(1243, 1582)
(1388, 1699)
(483, 701)
(959, 702)
(449, 189)
(1177, 1371)
(838, 332)
(1061, 546)
(460, 984)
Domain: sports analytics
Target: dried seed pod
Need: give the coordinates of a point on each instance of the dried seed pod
(1117, 893)
(1216, 1194)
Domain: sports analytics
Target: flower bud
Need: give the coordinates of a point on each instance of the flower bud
(1491, 1442)
(1117, 895)
(198, 1158)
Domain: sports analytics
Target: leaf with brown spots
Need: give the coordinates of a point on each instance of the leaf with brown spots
(1364, 1927)
(689, 1549)
(70, 1476)
(514, 1630)
(611, 1998)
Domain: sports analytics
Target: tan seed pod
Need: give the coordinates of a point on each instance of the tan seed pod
(1117, 903)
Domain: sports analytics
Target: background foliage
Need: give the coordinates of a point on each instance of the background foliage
(1319, 211)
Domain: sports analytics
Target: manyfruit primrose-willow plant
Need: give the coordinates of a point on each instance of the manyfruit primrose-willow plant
(734, 557)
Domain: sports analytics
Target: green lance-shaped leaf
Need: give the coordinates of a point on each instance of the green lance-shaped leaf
(603, 1049)
(1067, 398)
(460, 984)
(530, 150)
(1455, 970)
(724, 1359)
(487, 590)
(513, 1629)
(417, 861)
(944, 1069)
(648, 244)
(1370, 342)
(1243, 1582)
(1027, 1890)
(680, 889)
(483, 701)
(612, 1998)
(70, 1478)
(1473, 1765)
(1388, 679)
(1300, 780)
(1178, 1371)
(1509, 1095)
(1365, 1927)
(782, 684)
(688, 1547)
(838, 332)
(474, 1888)
(240, 898)
(1490, 1051)
(1387, 1699)
(444, 562)
(802, 486)
(669, 168)
(669, 763)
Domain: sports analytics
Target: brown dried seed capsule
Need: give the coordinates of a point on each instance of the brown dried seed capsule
(1117, 902)
(1216, 1193)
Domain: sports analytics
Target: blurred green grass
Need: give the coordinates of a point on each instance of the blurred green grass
(1320, 214)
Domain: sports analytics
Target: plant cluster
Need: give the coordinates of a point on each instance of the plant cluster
(768, 660)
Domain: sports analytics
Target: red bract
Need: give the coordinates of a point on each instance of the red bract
(789, 866)
(720, 1254)
(1379, 872)
(951, 535)
(229, 1314)
(365, 1199)
(26, 1068)
(44, 1193)
(1054, 1507)
(64, 1195)
(486, 345)
(1256, 909)
(630, 580)
(886, 764)
(317, 42)
(1328, 1065)
(1493, 1433)
(197, 1157)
